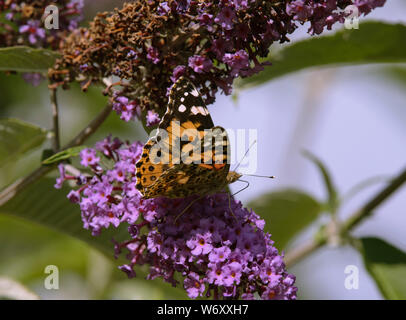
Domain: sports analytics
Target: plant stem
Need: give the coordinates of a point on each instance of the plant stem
(10, 191)
(375, 201)
(90, 128)
(297, 254)
(55, 118)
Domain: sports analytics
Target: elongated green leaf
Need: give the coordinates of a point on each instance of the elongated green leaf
(63, 155)
(24, 259)
(286, 213)
(17, 138)
(387, 265)
(332, 198)
(373, 42)
(42, 204)
(26, 59)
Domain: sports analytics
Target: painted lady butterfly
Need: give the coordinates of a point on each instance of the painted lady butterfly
(188, 155)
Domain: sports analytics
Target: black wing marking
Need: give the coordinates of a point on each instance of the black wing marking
(186, 104)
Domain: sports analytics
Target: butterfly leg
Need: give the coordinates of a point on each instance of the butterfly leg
(187, 207)
(229, 203)
(229, 206)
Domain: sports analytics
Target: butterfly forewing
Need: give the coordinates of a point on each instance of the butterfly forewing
(187, 155)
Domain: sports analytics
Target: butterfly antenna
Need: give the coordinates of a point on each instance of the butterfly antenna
(246, 152)
(259, 176)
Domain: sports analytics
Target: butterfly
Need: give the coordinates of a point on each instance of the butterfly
(188, 155)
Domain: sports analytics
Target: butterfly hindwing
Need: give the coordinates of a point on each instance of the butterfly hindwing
(183, 180)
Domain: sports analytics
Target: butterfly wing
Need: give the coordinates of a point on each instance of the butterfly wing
(182, 180)
(185, 136)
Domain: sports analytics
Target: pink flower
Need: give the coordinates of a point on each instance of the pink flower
(34, 31)
(152, 118)
(200, 64)
(153, 55)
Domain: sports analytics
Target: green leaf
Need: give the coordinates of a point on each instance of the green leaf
(42, 204)
(373, 42)
(23, 257)
(45, 205)
(17, 138)
(387, 265)
(286, 213)
(63, 155)
(332, 199)
(26, 59)
(363, 185)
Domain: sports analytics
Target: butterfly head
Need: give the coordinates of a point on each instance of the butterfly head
(233, 176)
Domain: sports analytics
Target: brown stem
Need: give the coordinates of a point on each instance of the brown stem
(55, 118)
(90, 128)
(296, 254)
(372, 204)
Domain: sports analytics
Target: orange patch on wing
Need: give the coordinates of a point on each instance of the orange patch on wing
(219, 166)
(188, 125)
(207, 166)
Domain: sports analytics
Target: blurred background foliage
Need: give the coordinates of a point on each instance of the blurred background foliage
(39, 227)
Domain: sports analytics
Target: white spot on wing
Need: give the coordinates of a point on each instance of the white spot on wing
(182, 108)
(194, 110)
(194, 92)
(203, 111)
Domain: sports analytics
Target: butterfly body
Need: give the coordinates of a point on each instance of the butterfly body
(188, 155)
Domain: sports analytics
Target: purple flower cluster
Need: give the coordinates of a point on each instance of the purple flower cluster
(24, 25)
(325, 13)
(152, 118)
(127, 109)
(217, 249)
(24, 22)
(34, 31)
(211, 42)
(130, 110)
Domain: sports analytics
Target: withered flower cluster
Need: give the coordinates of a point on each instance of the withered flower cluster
(145, 46)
